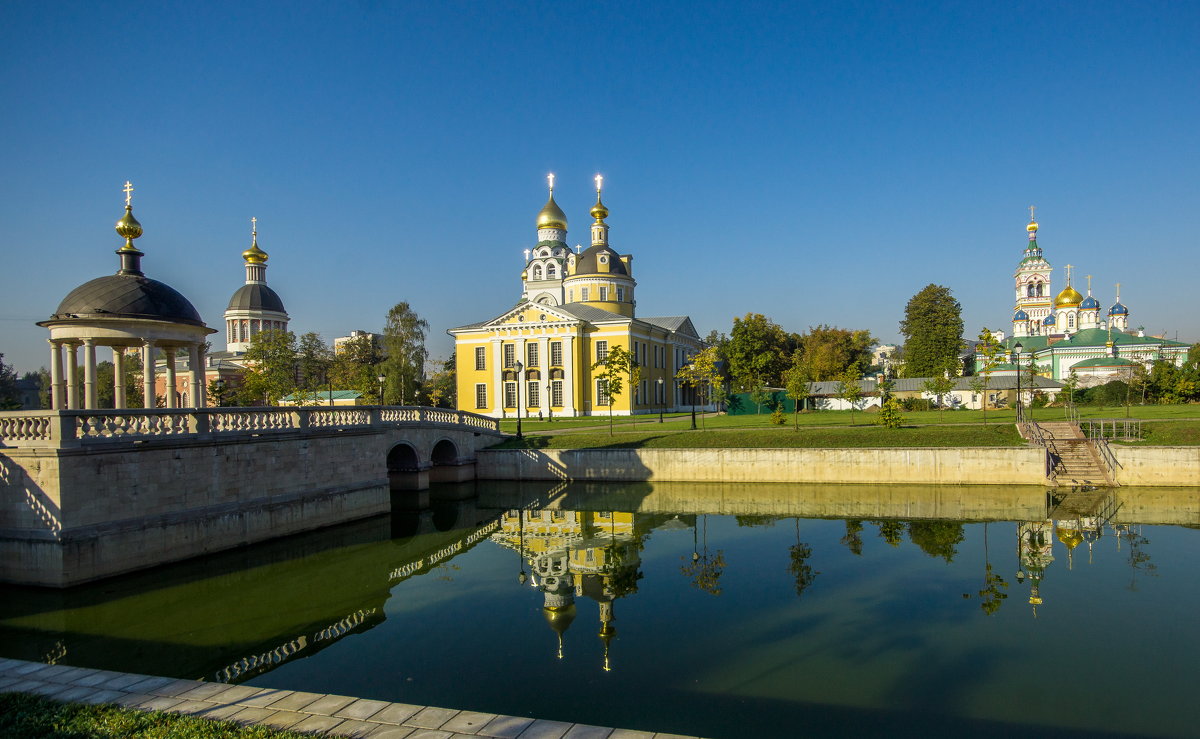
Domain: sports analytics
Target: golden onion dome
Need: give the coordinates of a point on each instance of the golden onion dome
(551, 216)
(1068, 298)
(1070, 537)
(1032, 227)
(598, 211)
(128, 227)
(254, 255)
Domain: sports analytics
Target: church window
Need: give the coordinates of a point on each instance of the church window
(551, 272)
(480, 358)
(644, 393)
(555, 353)
(604, 293)
(1031, 290)
(1070, 320)
(531, 351)
(537, 272)
(556, 393)
(510, 395)
(534, 397)
(602, 392)
(1039, 290)
(620, 295)
(481, 395)
(583, 294)
(570, 296)
(601, 351)
(510, 356)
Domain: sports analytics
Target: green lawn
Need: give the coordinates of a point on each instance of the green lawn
(1168, 433)
(34, 716)
(976, 435)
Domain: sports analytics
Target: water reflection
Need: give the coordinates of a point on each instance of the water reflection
(834, 605)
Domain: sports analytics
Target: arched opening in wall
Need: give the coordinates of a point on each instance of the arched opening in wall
(449, 469)
(409, 483)
(445, 515)
(403, 458)
(445, 452)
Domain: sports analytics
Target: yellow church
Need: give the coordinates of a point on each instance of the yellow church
(575, 306)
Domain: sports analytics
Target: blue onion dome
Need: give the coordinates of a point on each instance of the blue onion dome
(1048, 320)
(1021, 316)
(1090, 303)
(1118, 310)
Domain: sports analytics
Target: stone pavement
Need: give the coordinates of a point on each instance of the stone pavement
(330, 715)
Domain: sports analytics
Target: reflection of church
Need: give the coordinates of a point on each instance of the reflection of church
(576, 554)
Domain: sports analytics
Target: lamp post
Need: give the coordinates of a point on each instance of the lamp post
(381, 379)
(662, 399)
(1016, 361)
(549, 403)
(692, 368)
(220, 389)
(519, 367)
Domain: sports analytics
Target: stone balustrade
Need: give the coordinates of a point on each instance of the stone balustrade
(71, 428)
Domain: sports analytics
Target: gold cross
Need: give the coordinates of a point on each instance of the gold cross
(550, 177)
(253, 226)
(1118, 292)
(1069, 266)
(128, 193)
(1031, 209)
(599, 181)
(1089, 279)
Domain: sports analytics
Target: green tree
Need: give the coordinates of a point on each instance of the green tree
(936, 538)
(757, 352)
(617, 366)
(42, 379)
(853, 538)
(10, 399)
(890, 531)
(270, 366)
(795, 382)
(933, 331)
(700, 371)
(760, 395)
(942, 383)
(404, 354)
(988, 350)
(443, 385)
(313, 360)
(890, 416)
(354, 367)
(829, 351)
(849, 390)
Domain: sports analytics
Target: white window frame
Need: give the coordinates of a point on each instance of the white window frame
(603, 293)
(510, 356)
(583, 295)
(533, 393)
(480, 357)
(601, 351)
(481, 395)
(531, 354)
(602, 399)
(510, 394)
(556, 393)
(556, 359)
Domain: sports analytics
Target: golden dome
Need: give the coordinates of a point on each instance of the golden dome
(598, 211)
(1068, 298)
(551, 216)
(559, 617)
(128, 227)
(1032, 227)
(1070, 537)
(254, 255)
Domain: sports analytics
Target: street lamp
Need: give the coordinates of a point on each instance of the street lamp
(518, 366)
(381, 379)
(691, 370)
(549, 403)
(1016, 361)
(220, 389)
(662, 399)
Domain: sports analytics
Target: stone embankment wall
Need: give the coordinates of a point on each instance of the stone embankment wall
(927, 466)
(1157, 465)
(70, 516)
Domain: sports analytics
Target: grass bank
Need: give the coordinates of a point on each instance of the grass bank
(33, 716)
(977, 435)
(1168, 433)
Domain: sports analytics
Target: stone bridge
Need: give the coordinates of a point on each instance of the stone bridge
(86, 494)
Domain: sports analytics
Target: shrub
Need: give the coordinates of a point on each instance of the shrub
(916, 404)
(777, 417)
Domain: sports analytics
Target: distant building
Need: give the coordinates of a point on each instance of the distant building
(339, 344)
(323, 397)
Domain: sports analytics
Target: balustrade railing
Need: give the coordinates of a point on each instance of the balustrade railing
(73, 427)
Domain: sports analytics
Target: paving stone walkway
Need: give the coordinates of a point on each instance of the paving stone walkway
(330, 715)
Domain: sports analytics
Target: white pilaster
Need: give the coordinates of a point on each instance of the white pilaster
(57, 390)
(169, 387)
(569, 406)
(543, 344)
(119, 399)
(497, 398)
(89, 374)
(196, 372)
(72, 374)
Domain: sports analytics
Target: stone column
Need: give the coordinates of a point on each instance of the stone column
(569, 376)
(199, 377)
(119, 400)
(148, 373)
(89, 374)
(497, 377)
(543, 344)
(72, 374)
(522, 389)
(57, 390)
(169, 388)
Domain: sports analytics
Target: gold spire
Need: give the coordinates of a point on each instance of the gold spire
(254, 255)
(1033, 226)
(599, 212)
(128, 227)
(551, 216)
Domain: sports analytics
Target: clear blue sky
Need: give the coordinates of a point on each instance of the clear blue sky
(818, 163)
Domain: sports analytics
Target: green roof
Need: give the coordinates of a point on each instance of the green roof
(326, 395)
(1100, 336)
(1104, 362)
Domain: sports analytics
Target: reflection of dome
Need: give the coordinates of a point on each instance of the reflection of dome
(552, 216)
(1068, 298)
(127, 296)
(256, 296)
(1070, 537)
(1090, 303)
(560, 618)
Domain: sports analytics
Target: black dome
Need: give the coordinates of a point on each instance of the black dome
(256, 296)
(127, 296)
(588, 263)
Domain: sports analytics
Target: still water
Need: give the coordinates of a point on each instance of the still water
(719, 610)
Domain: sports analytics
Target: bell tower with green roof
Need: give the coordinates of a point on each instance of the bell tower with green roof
(1033, 294)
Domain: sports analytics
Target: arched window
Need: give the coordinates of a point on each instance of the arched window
(1039, 290)
(537, 272)
(1030, 290)
(551, 272)
(1070, 320)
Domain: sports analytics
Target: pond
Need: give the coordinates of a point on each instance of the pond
(717, 610)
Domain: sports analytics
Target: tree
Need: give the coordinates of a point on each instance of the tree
(313, 360)
(936, 538)
(700, 372)
(10, 399)
(270, 366)
(757, 352)
(802, 572)
(890, 416)
(989, 351)
(891, 531)
(933, 331)
(354, 367)
(829, 351)
(443, 385)
(760, 395)
(853, 538)
(42, 379)
(617, 366)
(849, 390)
(795, 382)
(942, 383)
(404, 353)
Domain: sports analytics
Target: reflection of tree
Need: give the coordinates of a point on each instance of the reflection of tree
(936, 538)
(704, 569)
(1139, 559)
(993, 585)
(891, 531)
(853, 538)
(624, 575)
(798, 565)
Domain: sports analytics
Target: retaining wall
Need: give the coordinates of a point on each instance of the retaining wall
(1157, 465)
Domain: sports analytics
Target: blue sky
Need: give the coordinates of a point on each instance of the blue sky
(818, 163)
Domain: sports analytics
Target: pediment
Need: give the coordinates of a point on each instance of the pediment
(530, 314)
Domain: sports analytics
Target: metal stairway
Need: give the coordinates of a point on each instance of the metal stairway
(1076, 460)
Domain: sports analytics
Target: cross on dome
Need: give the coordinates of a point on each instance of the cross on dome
(550, 178)
(128, 194)
(599, 183)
